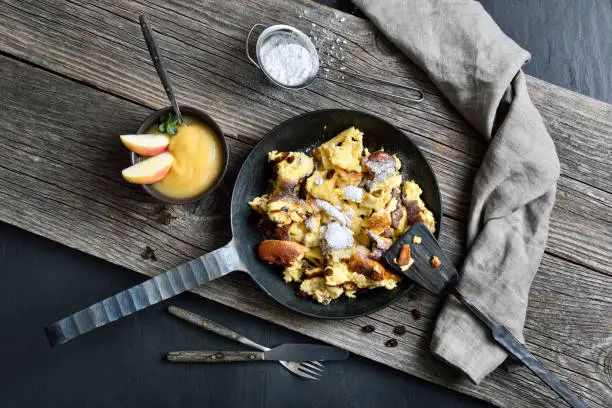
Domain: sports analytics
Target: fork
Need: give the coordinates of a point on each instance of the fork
(306, 369)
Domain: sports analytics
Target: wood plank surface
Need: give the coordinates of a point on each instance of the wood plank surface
(60, 170)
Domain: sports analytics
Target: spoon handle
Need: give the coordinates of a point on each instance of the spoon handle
(159, 65)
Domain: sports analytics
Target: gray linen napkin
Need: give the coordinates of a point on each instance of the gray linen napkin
(477, 67)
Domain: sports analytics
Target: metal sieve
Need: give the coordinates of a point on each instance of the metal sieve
(296, 35)
(269, 33)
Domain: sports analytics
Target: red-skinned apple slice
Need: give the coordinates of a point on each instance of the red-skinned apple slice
(149, 171)
(146, 144)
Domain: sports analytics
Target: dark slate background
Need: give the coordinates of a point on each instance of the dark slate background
(121, 365)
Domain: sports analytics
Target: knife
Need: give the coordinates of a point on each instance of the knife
(287, 352)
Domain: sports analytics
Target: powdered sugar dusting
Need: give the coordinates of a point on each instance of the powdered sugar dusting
(353, 193)
(332, 211)
(338, 237)
(309, 224)
(382, 169)
(318, 181)
(348, 214)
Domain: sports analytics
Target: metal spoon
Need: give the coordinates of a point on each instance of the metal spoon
(159, 66)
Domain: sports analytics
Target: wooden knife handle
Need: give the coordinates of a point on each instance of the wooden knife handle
(211, 356)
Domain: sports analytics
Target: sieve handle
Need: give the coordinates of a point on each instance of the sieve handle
(246, 45)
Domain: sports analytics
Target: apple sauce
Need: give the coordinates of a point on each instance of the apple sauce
(198, 160)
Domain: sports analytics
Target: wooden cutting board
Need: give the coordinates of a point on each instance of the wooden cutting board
(76, 75)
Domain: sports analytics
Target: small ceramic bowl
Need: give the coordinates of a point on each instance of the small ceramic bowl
(152, 120)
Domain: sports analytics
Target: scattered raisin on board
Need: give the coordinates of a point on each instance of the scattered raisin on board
(368, 328)
(399, 330)
(391, 343)
(416, 314)
(301, 295)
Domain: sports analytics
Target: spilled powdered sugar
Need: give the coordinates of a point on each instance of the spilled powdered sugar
(337, 237)
(353, 193)
(318, 181)
(332, 211)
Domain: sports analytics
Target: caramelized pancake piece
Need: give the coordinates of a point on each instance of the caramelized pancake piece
(361, 263)
(379, 245)
(415, 207)
(280, 252)
(322, 184)
(322, 293)
(312, 272)
(343, 151)
(315, 257)
(337, 274)
(379, 222)
(290, 169)
(380, 166)
(404, 259)
(293, 273)
(287, 209)
(260, 204)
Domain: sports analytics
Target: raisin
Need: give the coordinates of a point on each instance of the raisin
(416, 314)
(399, 330)
(330, 174)
(301, 295)
(368, 328)
(285, 209)
(290, 159)
(391, 343)
(329, 272)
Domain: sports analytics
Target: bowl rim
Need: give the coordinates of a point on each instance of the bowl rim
(200, 115)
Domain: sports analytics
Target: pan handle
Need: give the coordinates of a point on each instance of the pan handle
(246, 44)
(185, 277)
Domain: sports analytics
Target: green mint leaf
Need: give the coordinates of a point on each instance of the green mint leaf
(162, 127)
(171, 128)
(149, 253)
(164, 217)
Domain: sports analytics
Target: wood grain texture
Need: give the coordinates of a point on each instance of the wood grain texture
(101, 45)
(63, 181)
